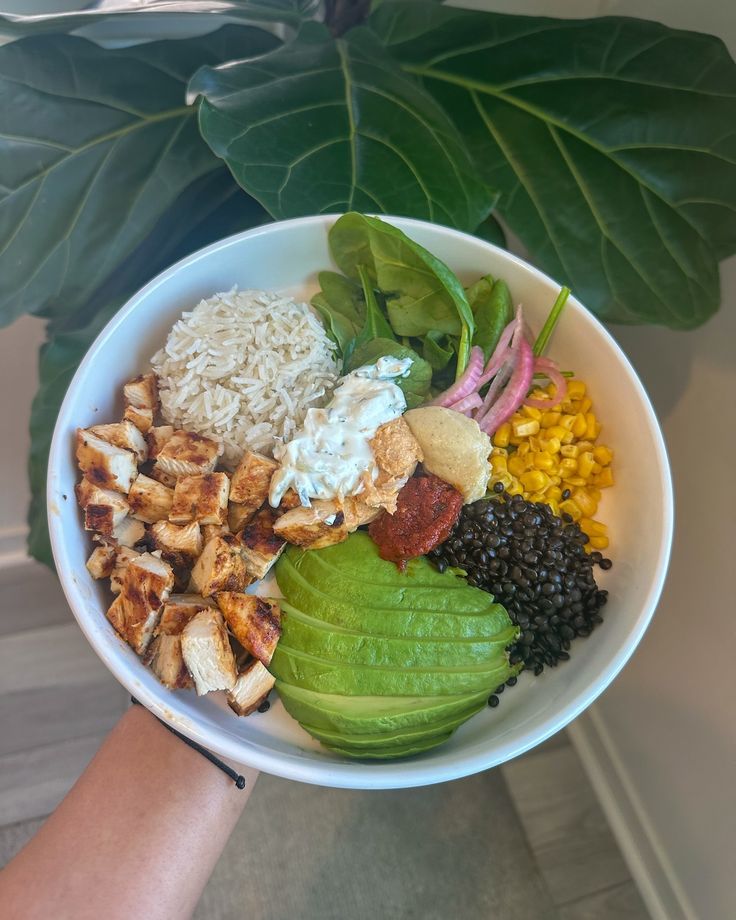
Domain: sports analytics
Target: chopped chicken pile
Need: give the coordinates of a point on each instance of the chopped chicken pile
(180, 542)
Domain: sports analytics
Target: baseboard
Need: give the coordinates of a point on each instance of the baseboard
(13, 546)
(638, 840)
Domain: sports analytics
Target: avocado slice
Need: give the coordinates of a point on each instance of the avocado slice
(357, 715)
(318, 638)
(314, 673)
(390, 752)
(466, 621)
(396, 737)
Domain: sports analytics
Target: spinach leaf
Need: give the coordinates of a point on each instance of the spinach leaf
(438, 349)
(415, 386)
(491, 304)
(422, 294)
(97, 145)
(324, 125)
(341, 307)
(615, 168)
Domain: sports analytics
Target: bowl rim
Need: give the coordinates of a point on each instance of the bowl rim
(355, 775)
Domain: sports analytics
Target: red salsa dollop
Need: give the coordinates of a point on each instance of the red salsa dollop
(426, 511)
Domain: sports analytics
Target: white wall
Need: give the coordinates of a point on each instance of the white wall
(661, 743)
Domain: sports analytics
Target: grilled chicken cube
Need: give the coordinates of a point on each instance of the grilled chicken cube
(396, 450)
(156, 438)
(357, 512)
(289, 501)
(179, 544)
(135, 612)
(254, 622)
(220, 567)
(102, 561)
(201, 498)
(150, 501)
(251, 480)
(239, 515)
(250, 689)
(125, 435)
(213, 530)
(166, 660)
(164, 653)
(259, 545)
(322, 524)
(187, 454)
(207, 653)
(141, 418)
(128, 532)
(123, 555)
(103, 508)
(104, 464)
(142, 392)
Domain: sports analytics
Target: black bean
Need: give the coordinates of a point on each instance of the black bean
(493, 701)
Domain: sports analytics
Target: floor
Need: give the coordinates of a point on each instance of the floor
(57, 701)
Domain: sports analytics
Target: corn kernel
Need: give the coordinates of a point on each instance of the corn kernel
(515, 489)
(568, 467)
(522, 428)
(531, 412)
(516, 465)
(604, 479)
(603, 455)
(554, 493)
(505, 480)
(569, 507)
(567, 421)
(568, 438)
(585, 445)
(579, 426)
(498, 465)
(585, 464)
(598, 542)
(553, 504)
(569, 450)
(567, 406)
(556, 431)
(501, 435)
(590, 425)
(585, 405)
(535, 443)
(542, 460)
(499, 452)
(534, 497)
(572, 482)
(534, 481)
(584, 502)
(595, 494)
(596, 529)
(514, 440)
(550, 418)
(551, 445)
(596, 468)
(523, 449)
(575, 388)
(555, 480)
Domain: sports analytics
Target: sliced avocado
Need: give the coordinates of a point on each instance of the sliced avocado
(357, 715)
(389, 753)
(401, 620)
(305, 670)
(320, 639)
(396, 737)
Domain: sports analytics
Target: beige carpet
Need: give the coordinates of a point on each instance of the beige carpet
(454, 851)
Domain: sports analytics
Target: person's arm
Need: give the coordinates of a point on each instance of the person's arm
(137, 836)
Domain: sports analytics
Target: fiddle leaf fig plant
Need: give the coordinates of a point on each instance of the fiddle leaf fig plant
(605, 146)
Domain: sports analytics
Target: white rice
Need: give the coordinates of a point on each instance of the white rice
(243, 368)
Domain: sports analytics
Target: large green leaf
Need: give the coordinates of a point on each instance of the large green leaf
(611, 140)
(326, 125)
(97, 146)
(290, 12)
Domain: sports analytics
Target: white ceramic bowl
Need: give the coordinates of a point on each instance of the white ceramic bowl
(287, 256)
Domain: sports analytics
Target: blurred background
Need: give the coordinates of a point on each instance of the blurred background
(657, 753)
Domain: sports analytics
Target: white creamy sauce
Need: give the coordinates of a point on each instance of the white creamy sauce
(329, 456)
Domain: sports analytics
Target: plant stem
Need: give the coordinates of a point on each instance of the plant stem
(463, 351)
(554, 315)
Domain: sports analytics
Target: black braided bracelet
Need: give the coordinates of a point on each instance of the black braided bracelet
(237, 778)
